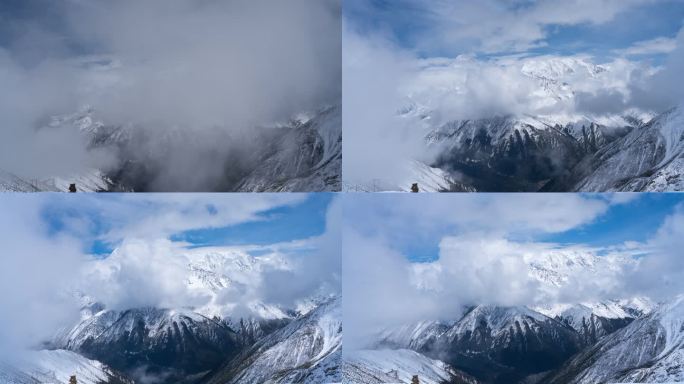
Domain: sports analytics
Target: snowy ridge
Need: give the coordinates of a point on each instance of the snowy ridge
(56, 367)
(412, 336)
(306, 350)
(545, 149)
(214, 269)
(398, 366)
(307, 156)
(649, 350)
(498, 320)
(303, 155)
(648, 158)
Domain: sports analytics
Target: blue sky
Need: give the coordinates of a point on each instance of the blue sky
(424, 26)
(100, 222)
(280, 224)
(636, 221)
(415, 228)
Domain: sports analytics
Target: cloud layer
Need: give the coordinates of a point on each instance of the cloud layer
(416, 65)
(490, 252)
(191, 80)
(46, 259)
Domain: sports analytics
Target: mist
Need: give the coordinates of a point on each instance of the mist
(35, 271)
(412, 68)
(191, 81)
(120, 251)
(483, 257)
(317, 270)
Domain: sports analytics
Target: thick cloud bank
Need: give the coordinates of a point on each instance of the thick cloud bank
(417, 65)
(191, 80)
(48, 262)
(489, 250)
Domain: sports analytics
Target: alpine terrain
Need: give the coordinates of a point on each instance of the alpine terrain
(613, 341)
(303, 154)
(617, 151)
(193, 345)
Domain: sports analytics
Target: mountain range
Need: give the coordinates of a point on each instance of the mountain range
(193, 345)
(628, 340)
(302, 154)
(631, 150)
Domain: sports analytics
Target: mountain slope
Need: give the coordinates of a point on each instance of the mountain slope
(508, 344)
(650, 349)
(56, 367)
(306, 350)
(505, 153)
(502, 345)
(648, 158)
(307, 157)
(399, 366)
(169, 343)
(301, 155)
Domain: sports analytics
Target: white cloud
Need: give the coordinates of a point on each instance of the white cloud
(393, 99)
(523, 213)
(487, 244)
(377, 289)
(34, 268)
(43, 262)
(649, 47)
(156, 216)
(504, 26)
(661, 273)
(377, 142)
(153, 271)
(213, 70)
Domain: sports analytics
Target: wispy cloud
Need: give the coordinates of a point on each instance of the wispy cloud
(488, 245)
(650, 47)
(44, 260)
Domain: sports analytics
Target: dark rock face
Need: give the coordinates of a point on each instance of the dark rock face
(308, 349)
(504, 345)
(613, 356)
(509, 154)
(503, 154)
(162, 343)
(593, 328)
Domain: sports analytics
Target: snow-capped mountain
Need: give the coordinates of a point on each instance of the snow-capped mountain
(648, 158)
(546, 150)
(56, 367)
(399, 366)
(496, 344)
(307, 350)
(429, 179)
(212, 270)
(190, 345)
(511, 153)
(503, 344)
(306, 157)
(649, 350)
(304, 154)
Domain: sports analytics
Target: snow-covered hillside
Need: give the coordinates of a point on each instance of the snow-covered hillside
(498, 344)
(398, 366)
(649, 350)
(649, 158)
(304, 154)
(308, 350)
(184, 344)
(306, 157)
(550, 144)
(56, 367)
